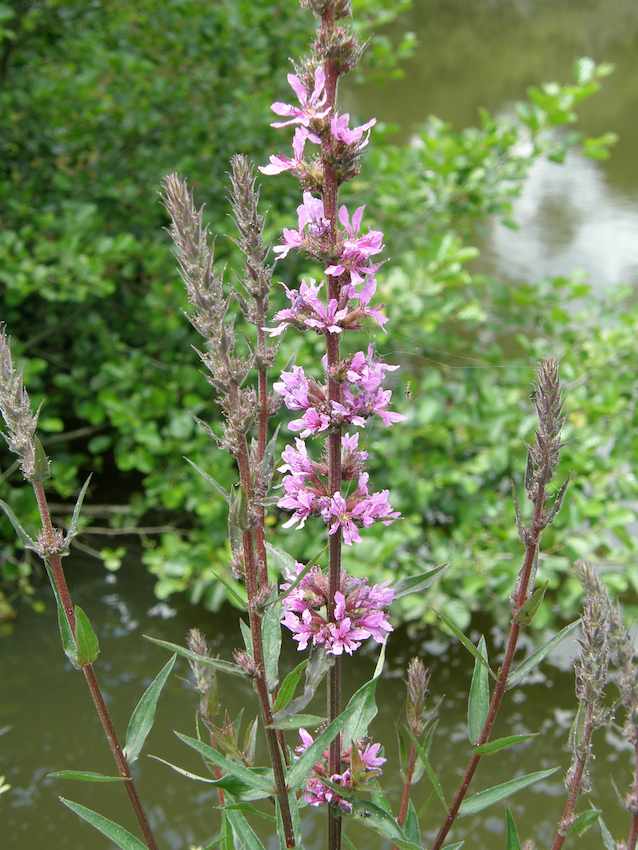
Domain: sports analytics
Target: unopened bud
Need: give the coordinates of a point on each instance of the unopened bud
(417, 686)
(245, 661)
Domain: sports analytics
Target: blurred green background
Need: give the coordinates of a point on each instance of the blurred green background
(98, 101)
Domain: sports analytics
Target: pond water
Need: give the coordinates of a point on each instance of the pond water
(582, 216)
(47, 723)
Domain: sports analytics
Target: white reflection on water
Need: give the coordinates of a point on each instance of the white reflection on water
(570, 220)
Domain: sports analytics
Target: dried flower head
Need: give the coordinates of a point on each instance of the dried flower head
(417, 690)
(204, 679)
(544, 452)
(339, 8)
(16, 411)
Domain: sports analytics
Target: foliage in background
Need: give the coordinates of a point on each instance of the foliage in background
(97, 107)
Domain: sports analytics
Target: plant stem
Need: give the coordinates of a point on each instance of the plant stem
(261, 686)
(575, 785)
(407, 785)
(57, 573)
(520, 597)
(262, 439)
(330, 193)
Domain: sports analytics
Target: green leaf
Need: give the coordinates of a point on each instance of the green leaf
(113, 831)
(84, 776)
(66, 635)
(299, 720)
(228, 783)
(366, 708)
(235, 590)
(143, 716)
(479, 699)
(412, 827)
(499, 744)
(75, 519)
(88, 646)
(318, 665)
(289, 686)
(536, 657)
(214, 485)
(351, 716)
(250, 777)
(217, 663)
(584, 821)
(435, 782)
(456, 846)
(465, 641)
(271, 642)
(417, 583)
(282, 561)
(42, 463)
(512, 842)
(530, 609)
(477, 802)
(607, 837)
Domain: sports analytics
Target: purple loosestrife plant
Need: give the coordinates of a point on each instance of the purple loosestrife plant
(328, 614)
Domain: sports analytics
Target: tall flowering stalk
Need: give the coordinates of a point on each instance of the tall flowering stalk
(543, 457)
(227, 372)
(52, 545)
(325, 155)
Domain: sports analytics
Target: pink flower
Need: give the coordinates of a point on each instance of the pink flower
(311, 218)
(356, 250)
(293, 388)
(299, 499)
(340, 131)
(296, 460)
(312, 422)
(280, 163)
(359, 611)
(312, 105)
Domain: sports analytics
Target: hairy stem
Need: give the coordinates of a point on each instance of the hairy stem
(262, 439)
(576, 782)
(57, 574)
(520, 597)
(330, 193)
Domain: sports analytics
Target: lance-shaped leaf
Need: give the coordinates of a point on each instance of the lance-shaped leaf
(271, 642)
(375, 817)
(216, 663)
(499, 744)
(75, 519)
(477, 802)
(121, 837)
(289, 686)
(66, 635)
(529, 610)
(608, 839)
(214, 485)
(280, 560)
(479, 699)
(143, 716)
(456, 846)
(245, 836)
(423, 754)
(366, 709)
(417, 583)
(267, 467)
(584, 821)
(236, 593)
(465, 641)
(83, 776)
(512, 840)
(23, 537)
(228, 783)
(318, 665)
(536, 657)
(558, 502)
(412, 827)
(297, 721)
(251, 778)
(88, 646)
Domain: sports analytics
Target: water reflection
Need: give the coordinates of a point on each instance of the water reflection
(46, 724)
(485, 53)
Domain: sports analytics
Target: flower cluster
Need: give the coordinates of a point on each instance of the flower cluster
(360, 611)
(362, 763)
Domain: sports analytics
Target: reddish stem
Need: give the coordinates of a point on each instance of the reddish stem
(262, 439)
(407, 786)
(576, 783)
(330, 193)
(632, 841)
(62, 588)
(520, 597)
